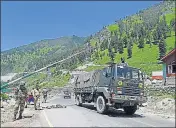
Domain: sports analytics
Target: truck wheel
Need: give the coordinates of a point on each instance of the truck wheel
(78, 101)
(130, 110)
(101, 105)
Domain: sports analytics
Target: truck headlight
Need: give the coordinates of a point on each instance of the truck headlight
(120, 83)
(140, 85)
(119, 90)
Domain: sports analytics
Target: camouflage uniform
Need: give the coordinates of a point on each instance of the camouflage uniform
(36, 94)
(20, 98)
(44, 92)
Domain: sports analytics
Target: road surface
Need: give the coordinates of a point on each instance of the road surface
(74, 116)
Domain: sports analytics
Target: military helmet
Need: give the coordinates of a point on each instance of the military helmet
(22, 83)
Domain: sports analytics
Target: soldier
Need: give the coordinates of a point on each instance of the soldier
(123, 62)
(20, 97)
(36, 94)
(44, 92)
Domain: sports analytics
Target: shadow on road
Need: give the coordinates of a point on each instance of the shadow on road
(121, 113)
(114, 112)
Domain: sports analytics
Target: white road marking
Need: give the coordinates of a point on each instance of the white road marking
(49, 123)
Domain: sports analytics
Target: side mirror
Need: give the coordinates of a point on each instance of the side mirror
(105, 74)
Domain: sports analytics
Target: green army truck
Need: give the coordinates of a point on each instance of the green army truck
(117, 85)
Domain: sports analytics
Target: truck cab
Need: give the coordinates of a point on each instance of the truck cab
(126, 89)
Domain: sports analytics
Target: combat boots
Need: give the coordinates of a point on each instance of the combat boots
(20, 116)
(14, 118)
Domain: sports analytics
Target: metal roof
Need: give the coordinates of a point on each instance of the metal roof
(170, 53)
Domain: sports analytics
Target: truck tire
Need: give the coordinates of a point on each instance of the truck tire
(78, 103)
(130, 110)
(101, 105)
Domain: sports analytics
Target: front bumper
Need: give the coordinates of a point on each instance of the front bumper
(125, 98)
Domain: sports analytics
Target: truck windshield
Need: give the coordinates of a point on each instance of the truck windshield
(127, 73)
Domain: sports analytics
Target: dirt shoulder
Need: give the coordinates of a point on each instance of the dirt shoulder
(30, 118)
(162, 107)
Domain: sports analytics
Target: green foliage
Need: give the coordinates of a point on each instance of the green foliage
(141, 43)
(39, 54)
(113, 27)
(169, 17)
(91, 68)
(135, 37)
(4, 96)
(162, 48)
(141, 36)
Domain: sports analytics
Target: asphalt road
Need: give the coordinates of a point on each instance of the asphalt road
(86, 116)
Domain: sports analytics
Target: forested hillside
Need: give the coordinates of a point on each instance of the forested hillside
(39, 54)
(142, 39)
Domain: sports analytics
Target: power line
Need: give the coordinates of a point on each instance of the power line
(69, 57)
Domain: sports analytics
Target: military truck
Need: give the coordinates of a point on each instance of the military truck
(117, 85)
(67, 93)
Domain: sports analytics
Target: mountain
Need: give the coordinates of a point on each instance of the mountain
(142, 39)
(38, 54)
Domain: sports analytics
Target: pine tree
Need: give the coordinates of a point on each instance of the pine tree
(125, 42)
(116, 41)
(129, 49)
(172, 24)
(120, 46)
(155, 37)
(159, 32)
(141, 43)
(111, 54)
(102, 46)
(162, 48)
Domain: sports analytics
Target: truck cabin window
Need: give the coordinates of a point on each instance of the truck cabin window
(108, 71)
(128, 73)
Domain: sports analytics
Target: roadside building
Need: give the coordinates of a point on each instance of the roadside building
(169, 66)
(157, 75)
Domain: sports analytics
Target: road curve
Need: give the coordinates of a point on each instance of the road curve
(86, 116)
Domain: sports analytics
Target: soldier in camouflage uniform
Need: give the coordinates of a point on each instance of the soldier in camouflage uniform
(36, 94)
(20, 97)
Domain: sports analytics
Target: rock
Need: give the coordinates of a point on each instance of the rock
(43, 106)
(144, 104)
(2, 110)
(59, 106)
(27, 116)
(48, 107)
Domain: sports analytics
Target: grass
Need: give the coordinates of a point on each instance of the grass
(170, 41)
(145, 58)
(113, 27)
(47, 81)
(92, 42)
(91, 68)
(169, 17)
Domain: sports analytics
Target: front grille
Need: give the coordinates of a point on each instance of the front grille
(131, 90)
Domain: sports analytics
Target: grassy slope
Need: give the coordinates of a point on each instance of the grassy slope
(141, 57)
(57, 80)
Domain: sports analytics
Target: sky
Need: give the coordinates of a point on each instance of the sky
(27, 22)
